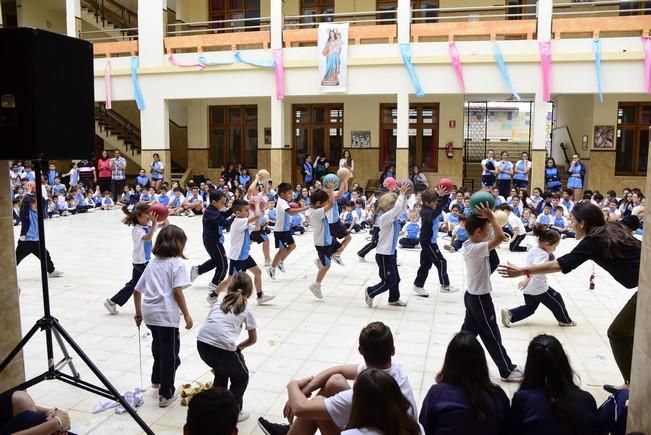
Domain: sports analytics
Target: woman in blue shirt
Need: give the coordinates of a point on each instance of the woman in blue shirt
(504, 173)
(142, 179)
(157, 169)
(522, 168)
(548, 401)
(464, 401)
(552, 176)
(576, 176)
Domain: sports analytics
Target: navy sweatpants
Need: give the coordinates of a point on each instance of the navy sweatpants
(123, 295)
(218, 261)
(515, 244)
(375, 236)
(430, 254)
(551, 299)
(389, 277)
(480, 320)
(165, 348)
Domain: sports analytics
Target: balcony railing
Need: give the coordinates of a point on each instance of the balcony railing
(117, 48)
(129, 34)
(601, 19)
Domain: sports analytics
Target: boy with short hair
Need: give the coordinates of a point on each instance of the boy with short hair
(322, 201)
(459, 236)
(282, 234)
(480, 312)
(176, 204)
(545, 218)
(561, 224)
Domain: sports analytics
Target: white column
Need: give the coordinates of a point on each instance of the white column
(276, 21)
(277, 123)
(151, 29)
(154, 124)
(73, 15)
(544, 12)
(538, 141)
(404, 21)
(402, 139)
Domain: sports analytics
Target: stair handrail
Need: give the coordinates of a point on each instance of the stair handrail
(132, 131)
(564, 149)
(128, 16)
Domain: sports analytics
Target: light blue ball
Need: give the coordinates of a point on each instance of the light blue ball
(330, 178)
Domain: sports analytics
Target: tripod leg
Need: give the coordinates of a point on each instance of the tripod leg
(118, 397)
(67, 359)
(16, 350)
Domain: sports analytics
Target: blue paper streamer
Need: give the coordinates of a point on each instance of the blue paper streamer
(405, 51)
(596, 45)
(504, 70)
(237, 58)
(137, 92)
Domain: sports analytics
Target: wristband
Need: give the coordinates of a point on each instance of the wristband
(526, 272)
(59, 422)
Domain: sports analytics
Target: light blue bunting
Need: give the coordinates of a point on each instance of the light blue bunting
(504, 70)
(405, 51)
(137, 93)
(596, 45)
(237, 58)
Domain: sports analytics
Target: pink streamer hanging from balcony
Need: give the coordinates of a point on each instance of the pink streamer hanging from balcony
(456, 64)
(646, 43)
(279, 73)
(545, 48)
(107, 84)
(173, 61)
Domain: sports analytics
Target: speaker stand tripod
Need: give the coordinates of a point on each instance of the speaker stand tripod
(51, 326)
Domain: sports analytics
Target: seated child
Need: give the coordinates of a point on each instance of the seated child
(350, 219)
(528, 219)
(107, 201)
(545, 218)
(297, 223)
(561, 224)
(459, 235)
(412, 231)
(452, 218)
(176, 202)
(270, 213)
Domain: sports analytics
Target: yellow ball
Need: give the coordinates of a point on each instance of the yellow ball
(263, 174)
(502, 217)
(344, 174)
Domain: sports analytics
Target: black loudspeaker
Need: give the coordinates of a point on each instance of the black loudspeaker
(46, 96)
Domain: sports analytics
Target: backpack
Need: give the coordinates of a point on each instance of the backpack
(612, 414)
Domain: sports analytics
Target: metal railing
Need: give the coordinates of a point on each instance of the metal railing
(218, 26)
(354, 18)
(111, 12)
(130, 34)
(474, 13)
(594, 8)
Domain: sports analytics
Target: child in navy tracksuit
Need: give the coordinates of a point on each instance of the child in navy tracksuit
(214, 221)
(412, 230)
(430, 217)
(389, 210)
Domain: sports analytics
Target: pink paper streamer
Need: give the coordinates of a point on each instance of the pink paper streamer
(279, 73)
(173, 61)
(545, 48)
(107, 84)
(456, 64)
(646, 43)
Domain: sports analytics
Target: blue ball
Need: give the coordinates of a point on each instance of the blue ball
(330, 178)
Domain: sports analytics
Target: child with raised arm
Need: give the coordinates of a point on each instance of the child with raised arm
(159, 300)
(535, 288)
(322, 201)
(480, 312)
(217, 340)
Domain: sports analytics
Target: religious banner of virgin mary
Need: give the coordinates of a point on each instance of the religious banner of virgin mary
(333, 56)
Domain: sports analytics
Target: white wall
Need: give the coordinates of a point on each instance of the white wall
(49, 15)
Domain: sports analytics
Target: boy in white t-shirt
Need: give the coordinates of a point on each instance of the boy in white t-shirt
(519, 231)
(329, 410)
(480, 312)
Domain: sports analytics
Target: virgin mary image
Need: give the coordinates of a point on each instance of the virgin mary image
(332, 52)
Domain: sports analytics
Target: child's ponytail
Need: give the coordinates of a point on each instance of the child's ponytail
(239, 290)
(546, 234)
(131, 217)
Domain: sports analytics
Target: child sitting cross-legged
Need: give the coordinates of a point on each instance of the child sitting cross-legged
(412, 230)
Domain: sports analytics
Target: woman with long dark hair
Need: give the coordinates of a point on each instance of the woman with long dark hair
(552, 176)
(548, 401)
(464, 401)
(612, 246)
(370, 416)
(576, 175)
(104, 171)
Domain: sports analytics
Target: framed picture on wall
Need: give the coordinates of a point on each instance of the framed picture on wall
(603, 137)
(360, 139)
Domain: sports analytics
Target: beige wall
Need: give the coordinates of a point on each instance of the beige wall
(33, 14)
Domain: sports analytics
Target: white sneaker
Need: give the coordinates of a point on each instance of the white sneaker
(420, 291)
(337, 259)
(243, 415)
(212, 298)
(448, 289)
(563, 324)
(212, 287)
(506, 318)
(398, 303)
(264, 299)
(110, 307)
(281, 267)
(368, 299)
(516, 375)
(194, 273)
(164, 403)
(361, 259)
(272, 272)
(55, 274)
(316, 290)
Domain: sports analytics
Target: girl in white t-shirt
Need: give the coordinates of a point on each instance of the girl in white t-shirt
(535, 287)
(159, 299)
(391, 415)
(218, 338)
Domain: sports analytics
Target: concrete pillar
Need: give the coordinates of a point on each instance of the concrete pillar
(151, 29)
(544, 10)
(402, 139)
(404, 21)
(639, 417)
(155, 133)
(9, 304)
(73, 18)
(538, 142)
(276, 22)
(198, 145)
(280, 167)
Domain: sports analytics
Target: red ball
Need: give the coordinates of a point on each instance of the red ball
(293, 205)
(161, 211)
(409, 184)
(447, 184)
(390, 183)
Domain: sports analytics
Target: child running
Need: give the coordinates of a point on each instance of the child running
(480, 312)
(282, 234)
(430, 254)
(535, 288)
(159, 299)
(217, 341)
(322, 202)
(389, 209)
(214, 220)
(337, 227)
(260, 236)
(144, 224)
(239, 254)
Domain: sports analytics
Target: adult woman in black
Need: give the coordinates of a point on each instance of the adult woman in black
(321, 165)
(613, 247)
(548, 401)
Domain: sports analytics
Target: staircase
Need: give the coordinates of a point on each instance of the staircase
(110, 17)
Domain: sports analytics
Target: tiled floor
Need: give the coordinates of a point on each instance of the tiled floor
(298, 335)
